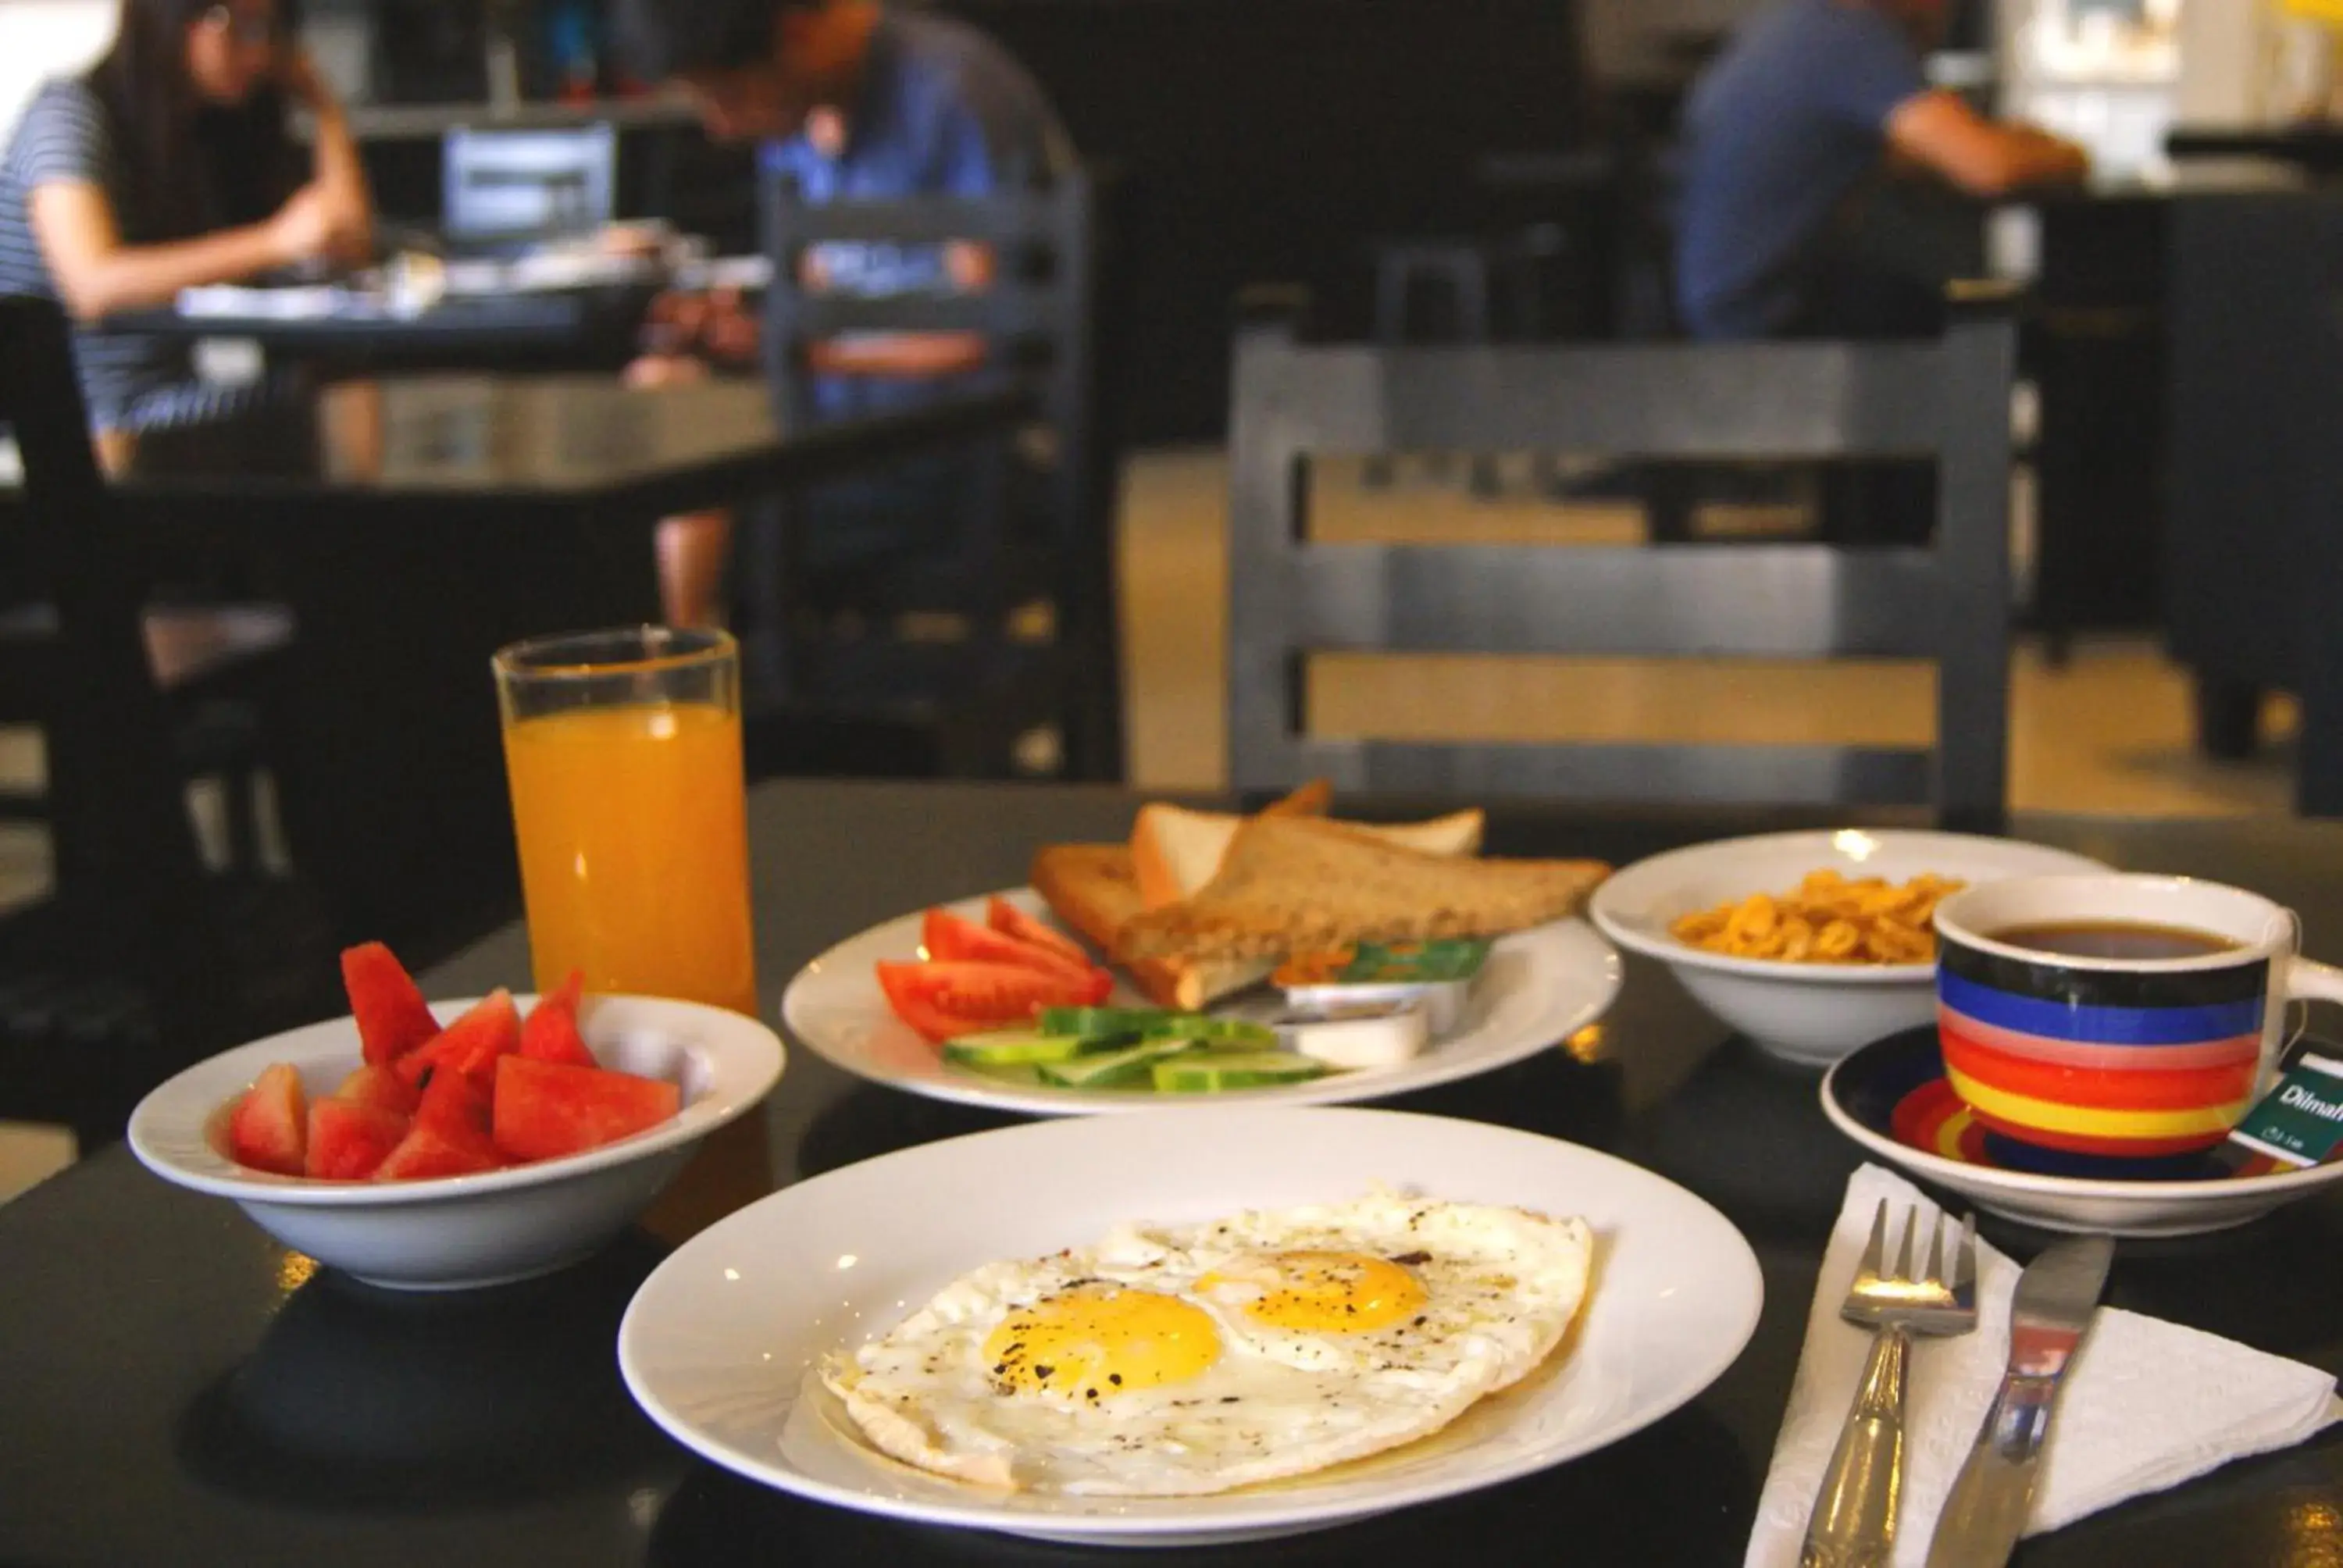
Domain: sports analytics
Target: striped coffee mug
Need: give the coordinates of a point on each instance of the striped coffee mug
(2091, 1058)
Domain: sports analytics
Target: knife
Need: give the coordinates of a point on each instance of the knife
(1985, 1512)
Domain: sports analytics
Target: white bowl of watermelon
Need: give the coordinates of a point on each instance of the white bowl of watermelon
(465, 1143)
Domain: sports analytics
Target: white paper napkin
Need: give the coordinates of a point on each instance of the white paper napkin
(2147, 1404)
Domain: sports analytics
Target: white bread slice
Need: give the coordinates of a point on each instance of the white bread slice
(1177, 852)
(1173, 848)
(1296, 884)
(1094, 889)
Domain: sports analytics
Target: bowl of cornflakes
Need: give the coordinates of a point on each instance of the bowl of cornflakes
(1812, 943)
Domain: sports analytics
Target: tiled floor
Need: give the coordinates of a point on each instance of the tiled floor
(2109, 732)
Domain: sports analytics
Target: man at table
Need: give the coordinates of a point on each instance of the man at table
(856, 102)
(1809, 105)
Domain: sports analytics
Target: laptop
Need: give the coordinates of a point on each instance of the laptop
(506, 190)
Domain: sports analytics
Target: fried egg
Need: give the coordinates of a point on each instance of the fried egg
(1169, 1361)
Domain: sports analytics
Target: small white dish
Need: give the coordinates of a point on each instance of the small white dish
(458, 1232)
(1539, 988)
(1811, 1014)
(719, 1344)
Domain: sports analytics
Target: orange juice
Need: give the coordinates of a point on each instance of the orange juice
(634, 850)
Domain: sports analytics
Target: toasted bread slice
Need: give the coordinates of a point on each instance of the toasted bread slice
(1291, 884)
(1094, 889)
(1177, 851)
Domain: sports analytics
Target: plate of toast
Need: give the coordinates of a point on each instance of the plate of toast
(1284, 957)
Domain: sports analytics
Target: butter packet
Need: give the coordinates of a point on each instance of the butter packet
(2296, 1125)
(1438, 976)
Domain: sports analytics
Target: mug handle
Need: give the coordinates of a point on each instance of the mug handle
(2308, 979)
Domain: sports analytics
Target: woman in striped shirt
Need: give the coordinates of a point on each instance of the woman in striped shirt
(167, 166)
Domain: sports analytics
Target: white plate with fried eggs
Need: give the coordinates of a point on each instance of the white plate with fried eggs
(1189, 1328)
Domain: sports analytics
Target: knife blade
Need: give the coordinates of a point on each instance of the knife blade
(2048, 1315)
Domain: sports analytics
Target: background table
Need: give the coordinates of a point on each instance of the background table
(415, 525)
(180, 1390)
(574, 329)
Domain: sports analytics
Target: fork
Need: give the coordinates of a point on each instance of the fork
(1853, 1522)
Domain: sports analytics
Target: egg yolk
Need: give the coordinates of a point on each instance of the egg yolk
(1327, 1292)
(1097, 1341)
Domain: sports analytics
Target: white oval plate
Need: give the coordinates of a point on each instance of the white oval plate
(719, 1344)
(1811, 1014)
(1540, 987)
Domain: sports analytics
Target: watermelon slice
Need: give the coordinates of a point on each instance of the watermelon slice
(489, 1028)
(547, 1108)
(456, 1105)
(269, 1131)
(379, 1087)
(551, 1033)
(393, 1017)
(347, 1141)
(431, 1151)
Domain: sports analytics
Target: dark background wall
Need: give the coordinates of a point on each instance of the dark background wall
(1271, 139)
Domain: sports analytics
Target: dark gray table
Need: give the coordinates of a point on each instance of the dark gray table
(416, 524)
(576, 328)
(178, 1390)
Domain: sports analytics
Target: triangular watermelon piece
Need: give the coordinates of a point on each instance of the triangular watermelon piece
(427, 1151)
(489, 1028)
(269, 1131)
(547, 1108)
(392, 1016)
(347, 1141)
(456, 1105)
(379, 1087)
(551, 1032)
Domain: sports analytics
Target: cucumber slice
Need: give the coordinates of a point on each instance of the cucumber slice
(1121, 1069)
(1100, 1022)
(1206, 1073)
(1009, 1047)
(1023, 1074)
(1217, 1033)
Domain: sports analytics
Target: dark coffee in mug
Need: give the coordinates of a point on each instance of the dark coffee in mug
(2115, 939)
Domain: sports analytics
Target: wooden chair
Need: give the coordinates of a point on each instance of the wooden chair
(1290, 596)
(140, 960)
(1036, 525)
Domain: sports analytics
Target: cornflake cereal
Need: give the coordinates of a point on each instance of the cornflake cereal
(1830, 920)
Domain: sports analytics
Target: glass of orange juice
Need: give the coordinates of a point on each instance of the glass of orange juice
(623, 749)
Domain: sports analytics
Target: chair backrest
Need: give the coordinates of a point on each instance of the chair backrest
(1039, 313)
(1291, 597)
(127, 863)
(501, 184)
(1054, 297)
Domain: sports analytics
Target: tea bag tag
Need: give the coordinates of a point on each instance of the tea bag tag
(2296, 1125)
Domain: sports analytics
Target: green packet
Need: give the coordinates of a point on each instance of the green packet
(2296, 1125)
(1414, 963)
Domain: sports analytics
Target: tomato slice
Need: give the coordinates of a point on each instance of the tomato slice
(911, 998)
(951, 940)
(946, 998)
(1012, 921)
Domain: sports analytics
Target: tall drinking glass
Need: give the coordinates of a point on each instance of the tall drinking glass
(623, 749)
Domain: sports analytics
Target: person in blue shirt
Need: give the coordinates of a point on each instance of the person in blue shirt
(855, 102)
(1810, 103)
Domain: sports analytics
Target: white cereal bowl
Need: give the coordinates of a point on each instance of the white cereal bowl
(455, 1232)
(1809, 1014)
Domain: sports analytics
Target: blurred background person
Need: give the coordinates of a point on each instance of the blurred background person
(1810, 105)
(855, 102)
(169, 165)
